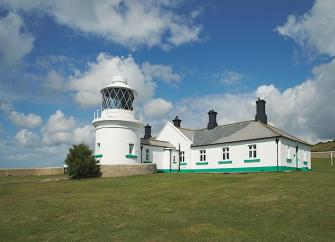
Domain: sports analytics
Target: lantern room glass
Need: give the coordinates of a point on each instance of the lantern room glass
(117, 98)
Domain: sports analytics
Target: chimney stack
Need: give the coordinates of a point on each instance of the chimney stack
(260, 111)
(176, 122)
(212, 119)
(147, 131)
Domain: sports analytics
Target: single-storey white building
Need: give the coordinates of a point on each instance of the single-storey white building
(250, 146)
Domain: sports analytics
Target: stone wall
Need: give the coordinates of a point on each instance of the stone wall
(32, 171)
(127, 170)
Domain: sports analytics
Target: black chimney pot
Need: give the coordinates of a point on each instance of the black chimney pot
(176, 122)
(147, 131)
(260, 111)
(212, 119)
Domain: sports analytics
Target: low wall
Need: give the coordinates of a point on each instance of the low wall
(127, 170)
(325, 154)
(32, 171)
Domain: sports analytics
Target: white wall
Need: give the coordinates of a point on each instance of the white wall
(114, 138)
(161, 157)
(288, 151)
(171, 134)
(238, 153)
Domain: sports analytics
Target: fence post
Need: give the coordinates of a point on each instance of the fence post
(331, 159)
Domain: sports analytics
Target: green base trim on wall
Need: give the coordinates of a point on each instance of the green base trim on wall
(221, 162)
(167, 170)
(183, 164)
(238, 169)
(289, 160)
(147, 161)
(98, 156)
(252, 160)
(305, 163)
(202, 163)
(131, 156)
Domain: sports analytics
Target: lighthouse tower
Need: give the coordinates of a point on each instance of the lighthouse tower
(118, 131)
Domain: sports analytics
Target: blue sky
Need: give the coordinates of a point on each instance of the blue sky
(183, 57)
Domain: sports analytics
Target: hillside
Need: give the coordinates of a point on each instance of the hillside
(326, 146)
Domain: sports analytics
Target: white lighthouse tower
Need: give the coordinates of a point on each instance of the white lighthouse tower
(118, 131)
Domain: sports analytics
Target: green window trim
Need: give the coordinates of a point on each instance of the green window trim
(147, 161)
(305, 163)
(183, 164)
(221, 162)
(174, 162)
(201, 163)
(289, 160)
(98, 156)
(252, 160)
(131, 156)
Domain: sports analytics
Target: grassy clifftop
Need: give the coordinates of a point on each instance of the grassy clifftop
(295, 206)
(327, 146)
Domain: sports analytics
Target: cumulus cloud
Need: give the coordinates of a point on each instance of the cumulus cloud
(29, 120)
(162, 72)
(126, 22)
(87, 85)
(315, 29)
(157, 108)
(63, 130)
(14, 42)
(306, 110)
(26, 138)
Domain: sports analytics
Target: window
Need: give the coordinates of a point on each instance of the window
(225, 153)
(252, 151)
(202, 155)
(131, 149)
(146, 154)
(182, 156)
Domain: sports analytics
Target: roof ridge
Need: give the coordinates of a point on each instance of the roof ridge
(248, 121)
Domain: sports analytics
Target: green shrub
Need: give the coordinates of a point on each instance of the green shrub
(81, 162)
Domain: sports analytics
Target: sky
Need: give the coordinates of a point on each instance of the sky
(183, 57)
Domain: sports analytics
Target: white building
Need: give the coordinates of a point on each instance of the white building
(250, 146)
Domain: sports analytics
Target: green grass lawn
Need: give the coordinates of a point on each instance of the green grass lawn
(297, 206)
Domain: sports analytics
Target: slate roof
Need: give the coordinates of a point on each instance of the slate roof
(154, 142)
(243, 131)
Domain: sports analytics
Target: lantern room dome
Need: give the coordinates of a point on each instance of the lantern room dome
(119, 82)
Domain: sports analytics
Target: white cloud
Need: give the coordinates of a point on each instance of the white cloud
(55, 81)
(229, 77)
(14, 43)
(126, 22)
(87, 85)
(306, 110)
(29, 120)
(163, 72)
(157, 108)
(26, 138)
(100, 74)
(63, 130)
(315, 29)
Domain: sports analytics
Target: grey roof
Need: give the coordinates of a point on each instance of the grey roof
(249, 130)
(154, 142)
